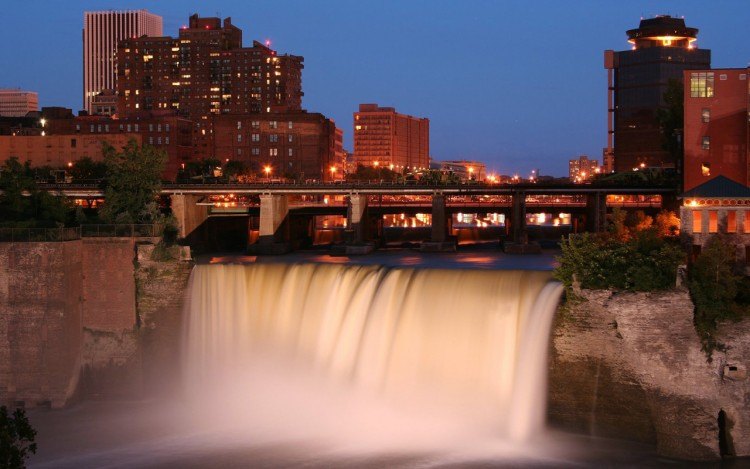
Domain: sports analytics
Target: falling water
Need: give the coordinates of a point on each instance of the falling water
(356, 352)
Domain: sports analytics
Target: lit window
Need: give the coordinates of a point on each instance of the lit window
(273, 124)
(166, 128)
(158, 141)
(256, 124)
(151, 127)
(290, 138)
(713, 221)
(706, 115)
(239, 152)
(731, 221)
(706, 143)
(291, 124)
(136, 127)
(273, 151)
(706, 169)
(256, 151)
(697, 221)
(239, 125)
(239, 138)
(702, 84)
(273, 138)
(291, 152)
(166, 140)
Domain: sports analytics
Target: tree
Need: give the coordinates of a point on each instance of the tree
(87, 169)
(16, 438)
(21, 202)
(671, 119)
(133, 183)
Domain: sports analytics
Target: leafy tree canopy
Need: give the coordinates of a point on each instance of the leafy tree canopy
(16, 438)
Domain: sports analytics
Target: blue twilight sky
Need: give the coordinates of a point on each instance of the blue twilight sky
(517, 84)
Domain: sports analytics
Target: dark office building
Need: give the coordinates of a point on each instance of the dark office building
(662, 48)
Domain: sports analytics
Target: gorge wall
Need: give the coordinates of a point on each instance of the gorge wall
(630, 365)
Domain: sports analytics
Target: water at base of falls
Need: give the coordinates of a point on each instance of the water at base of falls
(365, 357)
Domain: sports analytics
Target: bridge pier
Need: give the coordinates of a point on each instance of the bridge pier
(439, 239)
(596, 212)
(519, 243)
(188, 213)
(357, 224)
(273, 227)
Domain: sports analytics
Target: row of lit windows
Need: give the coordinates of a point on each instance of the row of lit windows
(255, 151)
(713, 221)
(271, 124)
(273, 138)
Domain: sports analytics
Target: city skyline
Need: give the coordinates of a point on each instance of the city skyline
(479, 74)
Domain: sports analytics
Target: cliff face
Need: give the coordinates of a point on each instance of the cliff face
(630, 365)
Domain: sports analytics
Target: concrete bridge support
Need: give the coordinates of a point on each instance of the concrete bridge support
(356, 219)
(596, 212)
(519, 241)
(188, 213)
(439, 239)
(273, 225)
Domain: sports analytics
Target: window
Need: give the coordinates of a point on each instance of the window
(129, 128)
(746, 223)
(256, 137)
(697, 221)
(239, 152)
(273, 152)
(713, 221)
(706, 169)
(239, 125)
(291, 124)
(166, 140)
(291, 152)
(91, 129)
(702, 84)
(291, 138)
(723, 77)
(239, 138)
(158, 141)
(106, 128)
(706, 143)
(256, 124)
(120, 127)
(731, 221)
(705, 115)
(273, 124)
(166, 127)
(255, 151)
(158, 127)
(273, 138)
(151, 127)
(136, 127)
(73, 143)
(151, 140)
(78, 127)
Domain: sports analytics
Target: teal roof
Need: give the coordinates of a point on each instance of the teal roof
(719, 187)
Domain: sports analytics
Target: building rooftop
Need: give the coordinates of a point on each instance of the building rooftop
(719, 187)
(662, 28)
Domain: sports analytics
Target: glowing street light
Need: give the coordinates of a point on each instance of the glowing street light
(267, 170)
(43, 121)
(333, 172)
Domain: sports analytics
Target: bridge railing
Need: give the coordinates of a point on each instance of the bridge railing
(122, 230)
(31, 235)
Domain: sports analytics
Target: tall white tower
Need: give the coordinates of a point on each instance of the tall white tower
(101, 32)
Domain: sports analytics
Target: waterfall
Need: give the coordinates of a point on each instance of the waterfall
(289, 344)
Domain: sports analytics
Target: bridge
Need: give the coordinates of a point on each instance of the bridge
(284, 211)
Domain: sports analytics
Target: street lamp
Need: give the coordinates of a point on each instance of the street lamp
(43, 121)
(267, 170)
(333, 172)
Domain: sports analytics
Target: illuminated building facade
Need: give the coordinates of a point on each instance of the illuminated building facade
(102, 31)
(385, 138)
(17, 103)
(465, 170)
(294, 145)
(206, 71)
(59, 151)
(582, 169)
(662, 48)
(716, 126)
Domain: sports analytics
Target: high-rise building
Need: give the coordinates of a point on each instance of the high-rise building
(206, 71)
(716, 126)
(385, 138)
(17, 103)
(662, 48)
(582, 169)
(102, 31)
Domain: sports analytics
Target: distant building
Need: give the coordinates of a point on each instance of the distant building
(385, 138)
(465, 170)
(662, 48)
(295, 145)
(582, 169)
(102, 31)
(104, 103)
(716, 126)
(17, 103)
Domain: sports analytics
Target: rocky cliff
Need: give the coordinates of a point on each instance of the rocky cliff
(630, 365)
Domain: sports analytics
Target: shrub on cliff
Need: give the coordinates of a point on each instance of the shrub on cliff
(643, 262)
(16, 438)
(718, 288)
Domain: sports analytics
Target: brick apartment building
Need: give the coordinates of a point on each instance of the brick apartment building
(295, 145)
(383, 137)
(716, 125)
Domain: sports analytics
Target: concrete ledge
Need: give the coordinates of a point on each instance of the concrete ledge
(269, 249)
(438, 246)
(522, 248)
(352, 249)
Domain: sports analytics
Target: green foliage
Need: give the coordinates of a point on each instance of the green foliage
(647, 177)
(370, 173)
(718, 288)
(22, 204)
(671, 118)
(133, 183)
(644, 262)
(16, 438)
(235, 168)
(86, 169)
